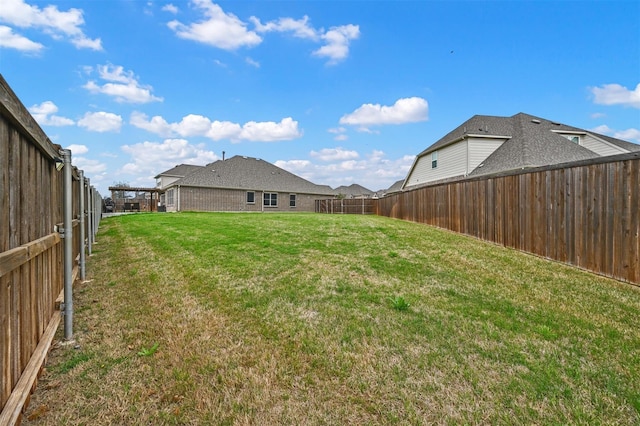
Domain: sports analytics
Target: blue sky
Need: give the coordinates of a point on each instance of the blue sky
(338, 92)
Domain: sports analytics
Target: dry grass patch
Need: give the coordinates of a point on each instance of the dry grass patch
(293, 319)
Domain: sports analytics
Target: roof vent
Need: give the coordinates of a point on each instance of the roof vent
(556, 123)
(535, 121)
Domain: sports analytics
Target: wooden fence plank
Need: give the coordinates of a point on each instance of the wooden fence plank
(6, 345)
(583, 213)
(13, 407)
(14, 258)
(31, 258)
(634, 206)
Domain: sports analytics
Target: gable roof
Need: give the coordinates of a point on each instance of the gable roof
(353, 190)
(530, 141)
(251, 174)
(181, 170)
(395, 187)
(533, 144)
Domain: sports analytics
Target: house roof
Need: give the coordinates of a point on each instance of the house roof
(529, 142)
(181, 170)
(353, 190)
(396, 187)
(249, 173)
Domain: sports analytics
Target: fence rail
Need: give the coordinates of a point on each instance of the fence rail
(346, 206)
(585, 214)
(33, 233)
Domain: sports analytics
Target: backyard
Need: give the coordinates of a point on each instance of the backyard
(224, 318)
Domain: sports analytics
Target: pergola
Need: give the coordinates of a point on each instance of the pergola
(152, 206)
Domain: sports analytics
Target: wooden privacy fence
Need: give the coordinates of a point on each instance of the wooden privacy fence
(41, 206)
(346, 206)
(585, 213)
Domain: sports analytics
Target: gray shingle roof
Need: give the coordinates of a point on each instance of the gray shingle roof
(181, 170)
(249, 173)
(353, 190)
(531, 142)
(396, 187)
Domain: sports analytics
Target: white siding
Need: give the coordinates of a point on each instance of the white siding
(480, 149)
(599, 146)
(167, 180)
(452, 161)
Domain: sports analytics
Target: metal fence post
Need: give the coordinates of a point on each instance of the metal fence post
(82, 229)
(68, 245)
(90, 216)
(97, 211)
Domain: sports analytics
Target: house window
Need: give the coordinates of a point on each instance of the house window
(574, 139)
(270, 199)
(251, 197)
(434, 159)
(170, 197)
(292, 200)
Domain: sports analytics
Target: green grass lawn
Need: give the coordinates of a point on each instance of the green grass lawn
(202, 318)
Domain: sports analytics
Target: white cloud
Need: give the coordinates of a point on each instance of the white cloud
(615, 94)
(157, 124)
(300, 28)
(223, 130)
(597, 115)
(603, 129)
(44, 114)
(151, 157)
(50, 20)
(170, 8)
(101, 122)
(89, 166)
(333, 154)
(269, 131)
(198, 125)
(83, 42)
(122, 85)
(373, 170)
(337, 41)
(405, 110)
(12, 40)
(340, 133)
(78, 149)
(227, 31)
(252, 62)
(116, 74)
(630, 134)
(222, 30)
(294, 166)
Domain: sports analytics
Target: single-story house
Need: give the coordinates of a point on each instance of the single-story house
(488, 144)
(242, 184)
(353, 191)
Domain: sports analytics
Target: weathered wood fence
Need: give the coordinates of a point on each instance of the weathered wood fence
(586, 214)
(346, 206)
(32, 249)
